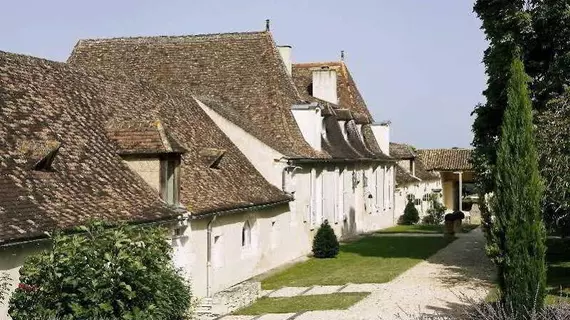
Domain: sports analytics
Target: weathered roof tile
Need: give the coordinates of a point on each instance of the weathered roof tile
(242, 71)
(89, 179)
(446, 159)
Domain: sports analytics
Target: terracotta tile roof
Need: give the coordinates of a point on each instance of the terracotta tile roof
(348, 95)
(404, 151)
(143, 137)
(403, 177)
(335, 143)
(243, 71)
(43, 103)
(422, 173)
(343, 114)
(351, 106)
(357, 141)
(401, 151)
(446, 159)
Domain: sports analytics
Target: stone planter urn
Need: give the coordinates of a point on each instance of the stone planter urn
(453, 223)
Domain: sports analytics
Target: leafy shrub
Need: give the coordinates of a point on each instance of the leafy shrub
(325, 244)
(4, 285)
(120, 273)
(435, 213)
(410, 216)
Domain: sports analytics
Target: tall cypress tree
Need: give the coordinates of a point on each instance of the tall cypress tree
(518, 229)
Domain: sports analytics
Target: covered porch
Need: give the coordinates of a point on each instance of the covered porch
(458, 189)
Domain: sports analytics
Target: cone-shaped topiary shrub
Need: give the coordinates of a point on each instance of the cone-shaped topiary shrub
(411, 215)
(518, 231)
(325, 244)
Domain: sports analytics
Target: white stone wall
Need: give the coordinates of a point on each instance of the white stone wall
(310, 123)
(381, 132)
(272, 245)
(264, 158)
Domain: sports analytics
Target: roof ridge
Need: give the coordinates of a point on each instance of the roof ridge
(437, 149)
(309, 64)
(172, 37)
(163, 137)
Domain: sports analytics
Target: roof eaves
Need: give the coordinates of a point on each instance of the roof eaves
(243, 208)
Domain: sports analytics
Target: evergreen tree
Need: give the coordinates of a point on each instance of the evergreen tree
(411, 214)
(540, 29)
(325, 243)
(519, 231)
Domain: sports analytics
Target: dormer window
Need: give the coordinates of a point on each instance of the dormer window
(170, 180)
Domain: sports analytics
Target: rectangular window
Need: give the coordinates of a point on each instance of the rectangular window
(390, 179)
(347, 191)
(170, 181)
(372, 184)
(378, 188)
(319, 197)
(339, 194)
(329, 194)
(313, 198)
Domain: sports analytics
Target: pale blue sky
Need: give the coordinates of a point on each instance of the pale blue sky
(416, 62)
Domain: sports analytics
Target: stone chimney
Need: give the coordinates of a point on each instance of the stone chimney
(324, 84)
(285, 52)
(382, 134)
(310, 122)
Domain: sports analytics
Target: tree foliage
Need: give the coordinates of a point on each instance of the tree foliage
(120, 273)
(325, 243)
(411, 215)
(538, 31)
(518, 231)
(553, 138)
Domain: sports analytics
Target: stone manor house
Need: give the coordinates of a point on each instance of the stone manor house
(220, 137)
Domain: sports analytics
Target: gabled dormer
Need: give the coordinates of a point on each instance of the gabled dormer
(405, 155)
(151, 151)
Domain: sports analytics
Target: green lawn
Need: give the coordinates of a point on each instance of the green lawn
(558, 258)
(302, 303)
(558, 276)
(373, 259)
(424, 228)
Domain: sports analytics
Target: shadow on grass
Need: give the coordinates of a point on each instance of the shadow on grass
(558, 259)
(413, 247)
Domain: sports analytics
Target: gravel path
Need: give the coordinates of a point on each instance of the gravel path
(458, 273)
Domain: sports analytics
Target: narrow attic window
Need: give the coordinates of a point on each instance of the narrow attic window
(246, 235)
(212, 157)
(170, 180)
(44, 164)
(40, 154)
